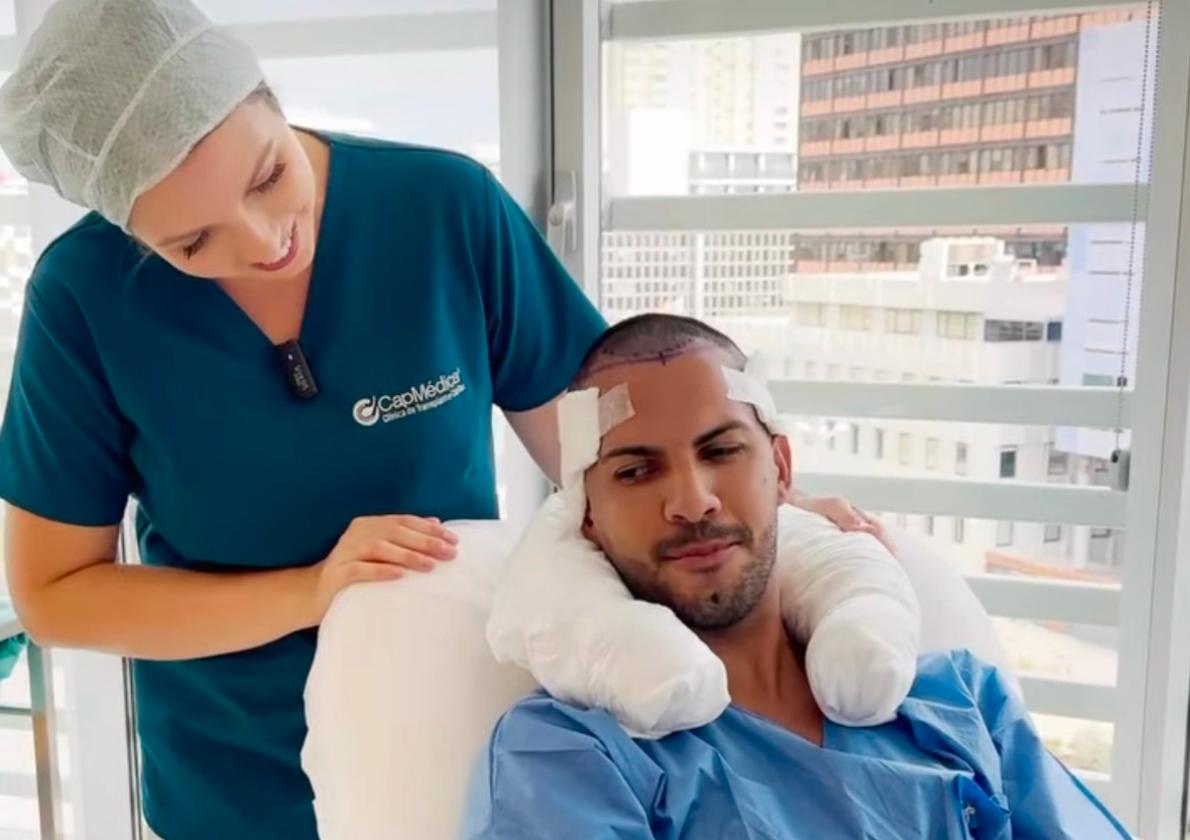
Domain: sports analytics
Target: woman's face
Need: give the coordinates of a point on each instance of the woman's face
(242, 205)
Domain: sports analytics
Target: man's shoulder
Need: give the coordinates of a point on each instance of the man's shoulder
(543, 723)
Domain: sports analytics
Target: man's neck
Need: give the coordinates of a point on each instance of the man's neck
(765, 670)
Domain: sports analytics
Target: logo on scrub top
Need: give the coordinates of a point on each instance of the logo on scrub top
(431, 394)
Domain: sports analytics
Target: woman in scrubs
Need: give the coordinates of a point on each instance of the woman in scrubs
(286, 346)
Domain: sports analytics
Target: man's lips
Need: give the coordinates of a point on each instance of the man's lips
(702, 555)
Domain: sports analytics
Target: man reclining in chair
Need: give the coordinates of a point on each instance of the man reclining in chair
(683, 501)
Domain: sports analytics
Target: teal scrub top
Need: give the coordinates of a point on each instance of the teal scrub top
(432, 299)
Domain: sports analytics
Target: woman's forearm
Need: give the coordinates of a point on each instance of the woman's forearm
(150, 612)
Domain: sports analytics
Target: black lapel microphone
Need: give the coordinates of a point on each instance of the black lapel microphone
(296, 370)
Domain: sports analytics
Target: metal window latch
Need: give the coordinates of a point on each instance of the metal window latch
(561, 229)
(1121, 465)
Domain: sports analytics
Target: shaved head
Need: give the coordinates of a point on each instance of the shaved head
(653, 337)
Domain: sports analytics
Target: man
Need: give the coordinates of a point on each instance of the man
(683, 502)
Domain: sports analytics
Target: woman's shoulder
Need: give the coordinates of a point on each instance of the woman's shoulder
(379, 158)
(88, 258)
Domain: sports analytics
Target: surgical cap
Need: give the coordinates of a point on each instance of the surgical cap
(110, 96)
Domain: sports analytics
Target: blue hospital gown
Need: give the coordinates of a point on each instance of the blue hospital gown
(960, 761)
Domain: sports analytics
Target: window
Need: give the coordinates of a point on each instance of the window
(928, 525)
(1058, 463)
(1053, 533)
(958, 325)
(902, 321)
(854, 437)
(996, 331)
(811, 314)
(1008, 462)
(1004, 534)
(932, 453)
(960, 530)
(855, 318)
(928, 325)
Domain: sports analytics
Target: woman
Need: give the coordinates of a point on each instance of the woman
(287, 346)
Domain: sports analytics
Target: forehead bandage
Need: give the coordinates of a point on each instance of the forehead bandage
(584, 417)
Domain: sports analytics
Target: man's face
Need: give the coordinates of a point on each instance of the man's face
(684, 497)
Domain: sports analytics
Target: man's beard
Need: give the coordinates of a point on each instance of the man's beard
(719, 608)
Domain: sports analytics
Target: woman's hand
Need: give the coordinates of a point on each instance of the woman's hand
(377, 548)
(845, 515)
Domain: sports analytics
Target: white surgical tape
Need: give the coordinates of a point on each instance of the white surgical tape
(747, 387)
(584, 417)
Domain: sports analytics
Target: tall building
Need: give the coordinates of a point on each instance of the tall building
(974, 102)
(952, 104)
(665, 100)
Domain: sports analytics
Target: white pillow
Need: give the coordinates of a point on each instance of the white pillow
(403, 694)
(952, 618)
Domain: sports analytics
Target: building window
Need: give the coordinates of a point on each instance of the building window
(932, 453)
(811, 314)
(902, 321)
(1008, 462)
(960, 530)
(879, 448)
(1001, 331)
(958, 325)
(855, 318)
(928, 525)
(854, 439)
(960, 459)
(1053, 533)
(904, 448)
(1058, 463)
(1004, 534)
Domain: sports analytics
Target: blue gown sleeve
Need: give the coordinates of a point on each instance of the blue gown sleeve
(1047, 801)
(540, 323)
(544, 780)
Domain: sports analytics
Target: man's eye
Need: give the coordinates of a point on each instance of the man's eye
(723, 452)
(632, 474)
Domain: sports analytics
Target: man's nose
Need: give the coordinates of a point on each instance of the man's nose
(690, 496)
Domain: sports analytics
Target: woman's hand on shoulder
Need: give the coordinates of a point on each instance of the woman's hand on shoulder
(379, 548)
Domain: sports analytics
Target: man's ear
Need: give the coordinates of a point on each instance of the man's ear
(589, 524)
(783, 459)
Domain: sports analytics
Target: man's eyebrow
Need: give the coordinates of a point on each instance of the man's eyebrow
(644, 451)
(730, 426)
(638, 451)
